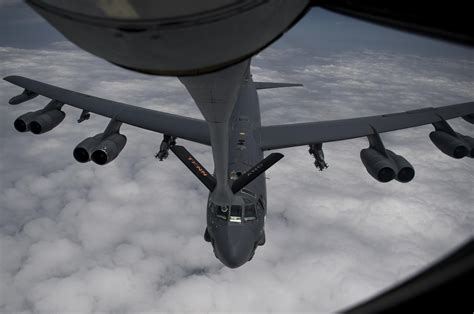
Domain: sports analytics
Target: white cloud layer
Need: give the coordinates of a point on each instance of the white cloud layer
(128, 237)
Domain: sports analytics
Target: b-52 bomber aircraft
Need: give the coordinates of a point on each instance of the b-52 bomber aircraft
(228, 99)
(225, 94)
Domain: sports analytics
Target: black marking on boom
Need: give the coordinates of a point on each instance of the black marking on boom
(255, 171)
(199, 171)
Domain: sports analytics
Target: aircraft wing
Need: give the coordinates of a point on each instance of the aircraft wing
(170, 124)
(268, 85)
(288, 135)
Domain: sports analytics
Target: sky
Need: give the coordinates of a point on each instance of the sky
(128, 236)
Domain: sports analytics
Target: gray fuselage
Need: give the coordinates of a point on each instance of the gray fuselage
(237, 230)
(229, 102)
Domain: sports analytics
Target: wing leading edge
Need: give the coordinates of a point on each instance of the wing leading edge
(178, 126)
(289, 135)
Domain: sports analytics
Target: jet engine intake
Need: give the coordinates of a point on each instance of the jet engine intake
(46, 121)
(22, 123)
(470, 141)
(469, 118)
(449, 144)
(83, 151)
(380, 167)
(109, 149)
(405, 171)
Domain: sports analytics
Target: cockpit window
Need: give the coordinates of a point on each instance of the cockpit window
(228, 213)
(250, 213)
(222, 212)
(236, 213)
(235, 210)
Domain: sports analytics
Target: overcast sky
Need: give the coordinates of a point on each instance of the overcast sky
(128, 236)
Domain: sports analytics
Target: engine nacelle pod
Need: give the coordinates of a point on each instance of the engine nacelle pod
(22, 123)
(109, 149)
(405, 171)
(46, 121)
(83, 151)
(469, 118)
(25, 96)
(381, 168)
(449, 144)
(470, 141)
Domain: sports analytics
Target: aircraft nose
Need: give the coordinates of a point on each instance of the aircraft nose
(234, 246)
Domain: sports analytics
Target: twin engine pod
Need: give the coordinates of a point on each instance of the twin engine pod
(40, 121)
(458, 146)
(100, 149)
(386, 168)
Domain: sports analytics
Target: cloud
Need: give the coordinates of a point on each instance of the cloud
(128, 236)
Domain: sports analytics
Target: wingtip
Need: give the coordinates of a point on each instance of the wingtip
(10, 78)
(280, 155)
